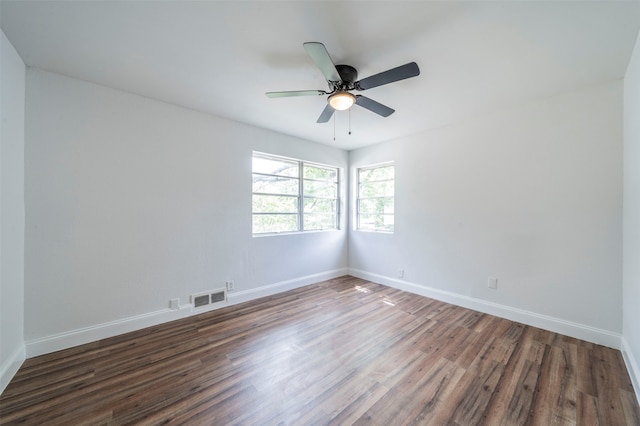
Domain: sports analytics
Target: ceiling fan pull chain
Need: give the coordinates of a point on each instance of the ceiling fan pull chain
(334, 127)
(349, 121)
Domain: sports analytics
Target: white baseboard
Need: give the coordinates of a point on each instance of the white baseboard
(10, 366)
(268, 290)
(84, 335)
(557, 325)
(632, 367)
(80, 336)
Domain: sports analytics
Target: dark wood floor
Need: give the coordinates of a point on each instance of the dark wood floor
(344, 351)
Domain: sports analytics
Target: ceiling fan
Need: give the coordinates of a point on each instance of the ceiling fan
(342, 80)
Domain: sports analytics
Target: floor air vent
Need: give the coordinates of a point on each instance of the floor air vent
(212, 297)
(201, 300)
(218, 296)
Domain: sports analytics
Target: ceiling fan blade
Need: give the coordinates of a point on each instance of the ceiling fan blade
(326, 114)
(395, 74)
(295, 93)
(374, 106)
(321, 57)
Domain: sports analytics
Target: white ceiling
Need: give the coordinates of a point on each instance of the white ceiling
(220, 57)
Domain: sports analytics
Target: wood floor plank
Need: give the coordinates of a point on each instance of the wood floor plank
(387, 410)
(339, 352)
(587, 410)
(511, 402)
(630, 407)
(610, 408)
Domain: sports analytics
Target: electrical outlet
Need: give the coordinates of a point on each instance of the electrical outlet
(492, 283)
(400, 273)
(174, 304)
(229, 285)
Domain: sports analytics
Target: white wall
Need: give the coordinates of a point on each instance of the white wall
(12, 97)
(631, 221)
(531, 195)
(131, 202)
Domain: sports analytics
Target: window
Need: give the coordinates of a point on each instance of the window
(374, 209)
(291, 195)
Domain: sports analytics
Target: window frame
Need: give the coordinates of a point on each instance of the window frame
(301, 196)
(359, 197)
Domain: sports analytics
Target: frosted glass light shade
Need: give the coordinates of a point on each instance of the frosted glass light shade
(342, 100)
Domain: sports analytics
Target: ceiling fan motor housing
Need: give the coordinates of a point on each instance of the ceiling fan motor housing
(349, 76)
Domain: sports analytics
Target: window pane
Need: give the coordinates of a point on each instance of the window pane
(378, 173)
(320, 173)
(264, 223)
(319, 205)
(286, 191)
(314, 221)
(274, 204)
(376, 189)
(375, 222)
(376, 205)
(275, 185)
(274, 166)
(320, 189)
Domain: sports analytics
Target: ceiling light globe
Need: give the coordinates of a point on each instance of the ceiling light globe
(342, 101)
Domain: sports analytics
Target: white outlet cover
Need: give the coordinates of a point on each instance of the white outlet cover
(492, 283)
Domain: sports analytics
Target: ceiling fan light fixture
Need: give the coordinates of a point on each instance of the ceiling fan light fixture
(342, 101)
